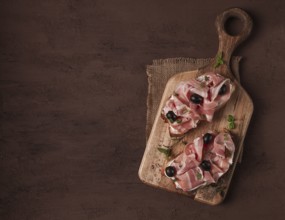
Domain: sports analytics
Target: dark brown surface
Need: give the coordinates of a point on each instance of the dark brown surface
(73, 93)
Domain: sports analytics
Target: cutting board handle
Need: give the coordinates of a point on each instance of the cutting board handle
(227, 42)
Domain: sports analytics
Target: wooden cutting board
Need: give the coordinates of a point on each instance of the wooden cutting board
(240, 106)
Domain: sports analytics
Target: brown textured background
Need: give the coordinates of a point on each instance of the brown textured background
(73, 107)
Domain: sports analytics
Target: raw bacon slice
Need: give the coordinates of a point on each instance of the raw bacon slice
(189, 174)
(192, 179)
(214, 101)
(186, 117)
(188, 114)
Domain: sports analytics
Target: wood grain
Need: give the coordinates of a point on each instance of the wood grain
(240, 105)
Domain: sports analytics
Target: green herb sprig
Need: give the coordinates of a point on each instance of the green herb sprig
(164, 150)
(219, 60)
(231, 121)
(199, 176)
(179, 120)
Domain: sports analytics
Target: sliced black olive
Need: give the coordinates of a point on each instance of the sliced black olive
(197, 99)
(171, 116)
(207, 138)
(206, 165)
(223, 90)
(170, 171)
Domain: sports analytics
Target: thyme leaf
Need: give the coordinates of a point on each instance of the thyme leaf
(231, 118)
(199, 176)
(231, 125)
(165, 151)
(179, 120)
(231, 121)
(219, 60)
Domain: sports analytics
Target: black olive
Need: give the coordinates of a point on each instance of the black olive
(170, 171)
(197, 99)
(206, 165)
(171, 116)
(223, 90)
(207, 138)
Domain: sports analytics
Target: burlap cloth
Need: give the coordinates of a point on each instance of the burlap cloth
(161, 70)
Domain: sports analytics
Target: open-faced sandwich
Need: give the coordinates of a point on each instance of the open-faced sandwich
(202, 162)
(196, 100)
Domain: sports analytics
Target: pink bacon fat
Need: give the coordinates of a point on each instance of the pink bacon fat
(208, 87)
(187, 118)
(219, 153)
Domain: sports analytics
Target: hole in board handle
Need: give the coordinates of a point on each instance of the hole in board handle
(233, 26)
